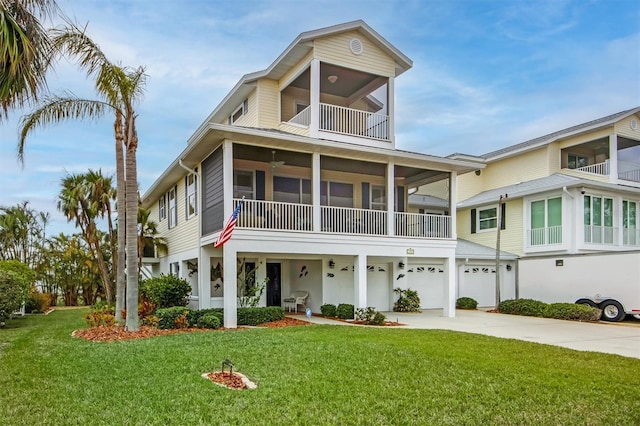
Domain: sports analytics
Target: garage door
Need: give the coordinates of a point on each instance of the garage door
(429, 281)
(379, 286)
(478, 282)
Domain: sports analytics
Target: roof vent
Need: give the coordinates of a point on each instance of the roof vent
(633, 124)
(356, 46)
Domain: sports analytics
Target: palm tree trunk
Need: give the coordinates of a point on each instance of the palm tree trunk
(121, 203)
(131, 226)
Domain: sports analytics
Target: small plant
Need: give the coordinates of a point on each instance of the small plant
(174, 317)
(181, 321)
(365, 314)
(209, 321)
(145, 309)
(101, 317)
(527, 307)
(328, 310)
(466, 303)
(151, 321)
(378, 319)
(345, 311)
(165, 291)
(37, 302)
(408, 301)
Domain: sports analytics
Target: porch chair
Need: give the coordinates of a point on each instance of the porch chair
(296, 298)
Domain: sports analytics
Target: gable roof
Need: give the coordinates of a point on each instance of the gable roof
(551, 137)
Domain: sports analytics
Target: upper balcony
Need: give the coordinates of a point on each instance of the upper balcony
(332, 102)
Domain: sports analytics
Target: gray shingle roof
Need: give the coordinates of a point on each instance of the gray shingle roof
(468, 250)
(419, 200)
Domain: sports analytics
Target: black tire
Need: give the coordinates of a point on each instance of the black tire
(587, 302)
(612, 311)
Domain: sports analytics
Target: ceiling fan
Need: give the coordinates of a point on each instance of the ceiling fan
(275, 163)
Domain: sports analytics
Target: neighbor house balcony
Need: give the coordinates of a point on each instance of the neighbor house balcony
(548, 236)
(605, 235)
(280, 216)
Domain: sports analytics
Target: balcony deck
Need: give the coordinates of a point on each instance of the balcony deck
(626, 171)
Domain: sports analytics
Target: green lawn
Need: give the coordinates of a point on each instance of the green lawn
(312, 375)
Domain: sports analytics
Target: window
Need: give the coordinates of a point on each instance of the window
(243, 184)
(487, 218)
(174, 269)
(575, 161)
(173, 206)
(336, 194)
(378, 198)
(300, 106)
(191, 190)
(546, 222)
(291, 190)
(162, 207)
(243, 109)
(598, 220)
(631, 236)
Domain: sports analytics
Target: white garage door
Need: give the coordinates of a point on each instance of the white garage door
(379, 286)
(429, 281)
(478, 282)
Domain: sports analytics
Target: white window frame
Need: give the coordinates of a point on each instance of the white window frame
(248, 195)
(238, 113)
(327, 201)
(479, 221)
(548, 235)
(174, 269)
(629, 234)
(377, 205)
(301, 194)
(162, 207)
(173, 207)
(191, 199)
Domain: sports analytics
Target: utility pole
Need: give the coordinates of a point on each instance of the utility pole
(501, 201)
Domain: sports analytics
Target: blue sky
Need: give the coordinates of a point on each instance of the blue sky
(486, 74)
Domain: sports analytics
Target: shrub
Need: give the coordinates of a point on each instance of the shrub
(209, 321)
(174, 317)
(528, 307)
(572, 311)
(165, 291)
(365, 314)
(151, 321)
(37, 302)
(11, 296)
(328, 310)
(345, 311)
(378, 319)
(101, 317)
(194, 316)
(145, 308)
(408, 301)
(466, 303)
(21, 274)
(255, 316)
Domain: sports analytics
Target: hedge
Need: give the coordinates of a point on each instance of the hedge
(174, 317)
(536, 308)
(255, 316)
(345, 311)
(466, 303)
(527, 307)
(328, 310)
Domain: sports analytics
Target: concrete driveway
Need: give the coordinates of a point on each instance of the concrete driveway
(612, 338)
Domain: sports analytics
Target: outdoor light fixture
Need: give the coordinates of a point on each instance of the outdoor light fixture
(332, 264)
(332, 78)
(401, 265)
(508, 267)
(229, 364)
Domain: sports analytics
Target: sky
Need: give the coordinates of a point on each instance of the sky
(486, 74)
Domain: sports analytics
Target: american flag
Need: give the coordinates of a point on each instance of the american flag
(225, 235)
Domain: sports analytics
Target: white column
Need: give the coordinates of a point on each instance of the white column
(453, 195)
(391, 106)
(227, 172)
(360, 281)
(204, 277)
(315, 190)
(315, 97)
(613, 158)
(449, 299)
(230, 266)
(391, 198)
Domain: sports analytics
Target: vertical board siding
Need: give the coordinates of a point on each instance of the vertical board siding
(212, 193)
(335, 50)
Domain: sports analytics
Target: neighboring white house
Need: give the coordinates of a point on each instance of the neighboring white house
(309, 143)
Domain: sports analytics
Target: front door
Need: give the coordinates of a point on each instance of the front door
(274, 296)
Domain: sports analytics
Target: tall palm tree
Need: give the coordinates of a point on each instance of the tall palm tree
(119, 88)
(24, 51)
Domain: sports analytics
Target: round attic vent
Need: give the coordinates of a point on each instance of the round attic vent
(634, 124)
(356, 46)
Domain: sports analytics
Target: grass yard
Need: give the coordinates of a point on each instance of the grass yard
(316, 375)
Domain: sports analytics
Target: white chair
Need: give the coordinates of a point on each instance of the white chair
(296, 298)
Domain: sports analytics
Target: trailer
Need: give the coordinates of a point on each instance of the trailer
(612, 278)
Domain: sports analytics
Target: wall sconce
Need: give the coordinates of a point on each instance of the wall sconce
(508, 267)
(401, 265)
(332, 264)
(332, 78)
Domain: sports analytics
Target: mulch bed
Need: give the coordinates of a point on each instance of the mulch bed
(108, 334)
(287, 322)
(232, 381)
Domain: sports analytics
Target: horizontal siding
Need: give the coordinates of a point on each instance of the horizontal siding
(251, 118)
(335, 50)
(623, 128)
(510, 237)
(588, 137)
(267, 105)
(298, 130)
(296, 70)
(554, 158)
(521, 168)
(469, 184)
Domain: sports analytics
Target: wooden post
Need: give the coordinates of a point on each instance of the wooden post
(498, 227)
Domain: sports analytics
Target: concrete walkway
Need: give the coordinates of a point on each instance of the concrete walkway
(612, 338)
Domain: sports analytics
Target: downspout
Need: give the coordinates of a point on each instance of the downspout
(564, 189)
(199, 214)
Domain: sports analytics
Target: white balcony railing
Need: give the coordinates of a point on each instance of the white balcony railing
(303, 118)
(353, 221)
(631, 237)
(353, 122)
(595, 234)
(629, 171)
(545, 236)
(596, 169)
(423, 225)
(258, 214)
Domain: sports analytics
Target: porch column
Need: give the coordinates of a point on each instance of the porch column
(204, 277)
(227, 173)
(613, 158)
(360, 281)
(315, 191)
(391, 198)
(391, 106)
(453, 195)
(314, 98)
(449, 299)
(230, 274)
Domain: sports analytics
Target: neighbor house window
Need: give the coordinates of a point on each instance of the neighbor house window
(336, 194)
(487, 218)
(378, 198)
(546, 221)
(191, 182)
(575, 161)
(172, 197)
(162, 207)
(243, 184)
(631, 236)
(291, 190)
(598, 220)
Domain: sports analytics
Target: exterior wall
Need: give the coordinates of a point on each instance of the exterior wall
(212, 209)
(623, 128)
(521, 168)
(511, 238)
(267, 107)
(250, 119)
(477, 279)
(553, 152)
(335, 50)
(587, 137)
(469, 184)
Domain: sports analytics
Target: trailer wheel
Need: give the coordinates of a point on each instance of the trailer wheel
(612, 310)
(587, 302)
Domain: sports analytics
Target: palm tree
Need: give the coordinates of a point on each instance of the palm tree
(119, 88)
(24, 51)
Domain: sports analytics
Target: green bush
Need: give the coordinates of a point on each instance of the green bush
(11, 296)
(408, 301)
(194, 316)
(527, 307)
(37, 302)
(255, 316)
(572, 311)
(165, 291)
(370, 316)
(378, 319)
(345, 311)
(328, 310)
(466, 303)
(174, 317)
(209, 321)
